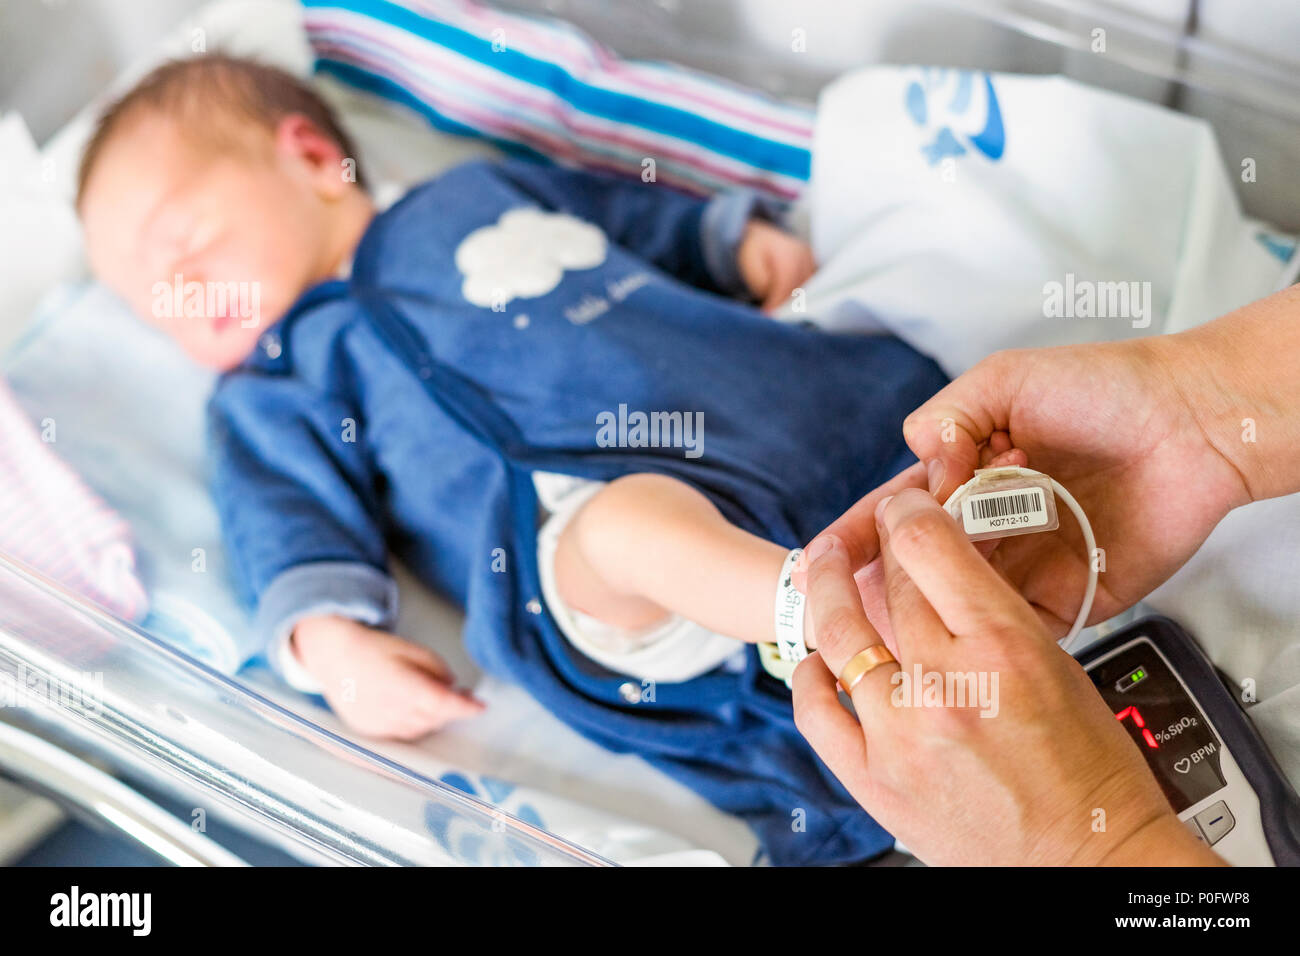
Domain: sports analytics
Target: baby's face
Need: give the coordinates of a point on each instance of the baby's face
(212, 247)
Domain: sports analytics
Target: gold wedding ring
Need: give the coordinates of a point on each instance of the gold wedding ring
(863, 663)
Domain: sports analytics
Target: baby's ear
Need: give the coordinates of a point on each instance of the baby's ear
(301, 144)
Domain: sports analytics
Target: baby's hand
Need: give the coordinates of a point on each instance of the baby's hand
(380, 685)
(773, 263)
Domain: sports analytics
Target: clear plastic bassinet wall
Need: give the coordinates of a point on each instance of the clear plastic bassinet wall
(76, 676)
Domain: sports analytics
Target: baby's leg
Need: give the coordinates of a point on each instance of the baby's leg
(647, 545)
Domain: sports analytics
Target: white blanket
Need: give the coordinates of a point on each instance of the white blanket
(969, 212)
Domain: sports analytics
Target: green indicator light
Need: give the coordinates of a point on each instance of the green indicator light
(1131, 679)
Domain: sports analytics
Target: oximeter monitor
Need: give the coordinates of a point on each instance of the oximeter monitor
(1164, 721)
(1205, 752)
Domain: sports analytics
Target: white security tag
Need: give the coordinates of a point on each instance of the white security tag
(1004, 511)
(999, 502)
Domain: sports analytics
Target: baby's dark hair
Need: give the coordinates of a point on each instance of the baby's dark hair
(199, 91)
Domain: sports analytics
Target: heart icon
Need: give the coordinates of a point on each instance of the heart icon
(1184, 765)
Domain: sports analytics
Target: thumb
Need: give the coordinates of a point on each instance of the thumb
(778, 277)
(762, 277)
(775, 298)
(947, 431)
(448, 703)
(856, 528)
(461, 703)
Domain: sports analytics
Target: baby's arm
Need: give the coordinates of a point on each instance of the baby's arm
(302, 520)
(724, 244)
(648, 545)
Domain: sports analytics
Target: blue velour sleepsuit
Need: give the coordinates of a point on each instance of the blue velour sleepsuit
(388, 412)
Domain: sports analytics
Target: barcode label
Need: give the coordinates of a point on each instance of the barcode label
(1015, 503)
(1020, 509)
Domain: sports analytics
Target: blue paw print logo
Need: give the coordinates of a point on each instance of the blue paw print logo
(467, 842)
(960, 109)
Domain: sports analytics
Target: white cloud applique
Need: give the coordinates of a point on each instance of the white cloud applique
(524, 255)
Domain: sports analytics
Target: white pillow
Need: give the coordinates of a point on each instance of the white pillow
(40, 240)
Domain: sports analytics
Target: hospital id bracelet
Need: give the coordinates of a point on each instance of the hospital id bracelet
(788, 612)
(780, 658)
(770, 658)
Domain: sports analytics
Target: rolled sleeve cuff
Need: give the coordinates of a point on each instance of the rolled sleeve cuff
(347, 589)
(722, 226)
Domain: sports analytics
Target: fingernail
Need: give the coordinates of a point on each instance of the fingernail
(881, 505)
(819, 547)
(934, 472)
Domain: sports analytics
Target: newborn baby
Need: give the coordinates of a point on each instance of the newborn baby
(508, 345)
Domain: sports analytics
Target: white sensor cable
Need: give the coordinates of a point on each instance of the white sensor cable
(986, 476)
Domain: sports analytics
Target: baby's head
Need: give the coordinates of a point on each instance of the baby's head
(213, 194)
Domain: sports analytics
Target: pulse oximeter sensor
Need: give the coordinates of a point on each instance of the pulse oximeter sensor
(1001, 502)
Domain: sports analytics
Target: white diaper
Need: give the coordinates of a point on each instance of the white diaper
(671, 651)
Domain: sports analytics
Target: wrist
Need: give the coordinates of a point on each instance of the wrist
(748, 259)
(1164, 840)
(1124, 817)
(1239, 377)
(723, 225)
(1215, 415)
(318, 639)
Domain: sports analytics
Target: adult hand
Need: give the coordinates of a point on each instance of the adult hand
(1117, 425)
(1039, 772)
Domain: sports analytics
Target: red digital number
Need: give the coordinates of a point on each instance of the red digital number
(1140, 724)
